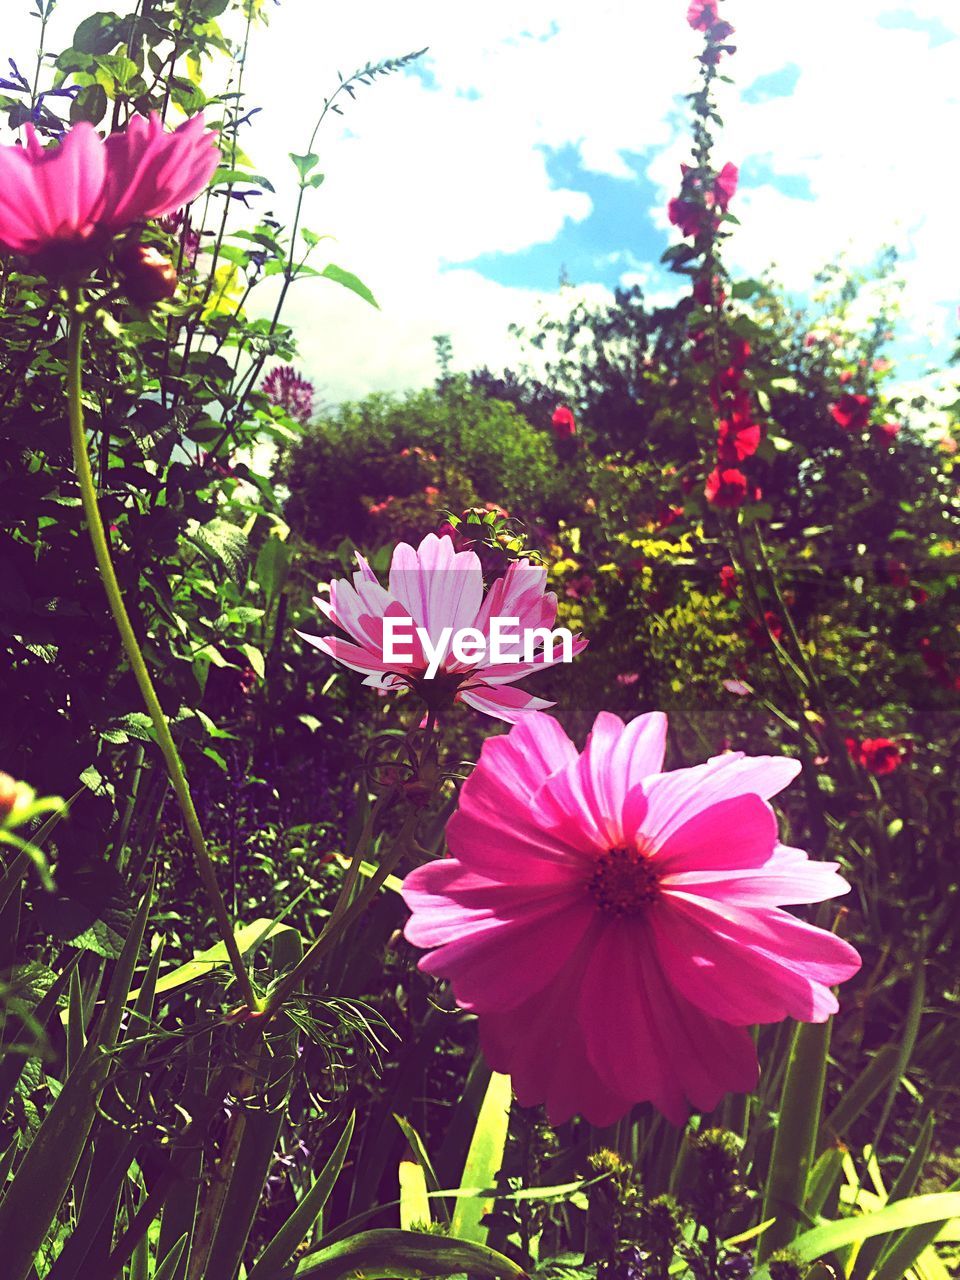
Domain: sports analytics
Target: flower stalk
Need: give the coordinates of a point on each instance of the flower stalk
(131, 647)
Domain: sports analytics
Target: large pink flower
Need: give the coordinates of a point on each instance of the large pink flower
(151, 171)
(62, 195)
(51, 194)
(438, 587)
(617, 928)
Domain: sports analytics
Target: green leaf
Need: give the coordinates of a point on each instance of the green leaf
(33, 1198)
(903, 1187)
(484, 1158)
(858, 1096)
(419, 1150)
(288, 1239)
(399, 1255)
(97, 34)
(349, 281)
(168, 1267)
(795, 1141)
(203, 963)
(414, 1200)
(305, 163)
(255, 658)
(905, 1215)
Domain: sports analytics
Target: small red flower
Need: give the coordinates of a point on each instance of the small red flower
(669, 515)
(728, 580)
(852, 412)
(726, 487)
(727, 390)
(737, 438)
(761, 632)
(725, 186)
(702, 14)
(886, 431)
(894, 572)
(579, 586)
(877, 755)
(709, 293)
(739, 352)
(563, 423)
(689, 216)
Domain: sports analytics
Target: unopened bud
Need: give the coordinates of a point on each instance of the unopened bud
(148, 277)
(9, 792)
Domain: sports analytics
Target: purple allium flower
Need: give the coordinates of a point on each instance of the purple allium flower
(286, 388)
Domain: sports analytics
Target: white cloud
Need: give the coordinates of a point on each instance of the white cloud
(424, 173)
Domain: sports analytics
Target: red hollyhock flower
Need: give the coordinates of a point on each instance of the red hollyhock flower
(876, 755)
(761, 632)
(728, 581)
(669, 515)
(702, 14)
(886, 431)
(894, 572)
(739, 352)
(852, 412)
(563, 423)
(689, 216)
(938, 664)
(709, 293)
(737, 438)
(726, 487)
(728, 392)
(725, 186)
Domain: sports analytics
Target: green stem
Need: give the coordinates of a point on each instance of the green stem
(101, 551)
(344, 913)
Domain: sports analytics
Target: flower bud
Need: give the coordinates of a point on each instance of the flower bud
(148, 277)
(9, 793)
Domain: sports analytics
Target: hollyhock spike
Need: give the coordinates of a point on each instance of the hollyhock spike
(617, 928)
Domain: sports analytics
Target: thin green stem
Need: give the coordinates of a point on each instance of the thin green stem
(344, 913)
(101, 551)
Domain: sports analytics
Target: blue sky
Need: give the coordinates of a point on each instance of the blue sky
(547, 138)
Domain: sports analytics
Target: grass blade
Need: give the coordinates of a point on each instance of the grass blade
(484, 1158)
(294, 1231)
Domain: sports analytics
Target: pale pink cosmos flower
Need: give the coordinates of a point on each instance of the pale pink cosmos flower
(64, 194)
(618, 928)
(438, 587)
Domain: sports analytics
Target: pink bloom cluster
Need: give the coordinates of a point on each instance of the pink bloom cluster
(439, 587)
(290, 391)
(617, 928)
(87, 186)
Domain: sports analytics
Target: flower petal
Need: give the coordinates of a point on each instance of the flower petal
(503, 960)
(646, 1041)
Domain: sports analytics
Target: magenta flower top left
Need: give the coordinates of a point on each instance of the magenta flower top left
(85, 185)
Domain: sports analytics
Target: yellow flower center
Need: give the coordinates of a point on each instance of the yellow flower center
(624, 881)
